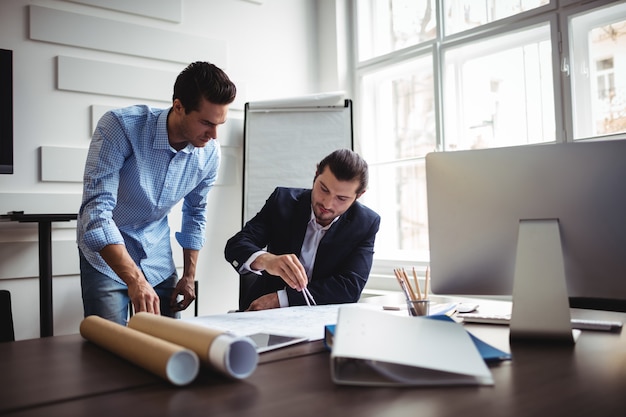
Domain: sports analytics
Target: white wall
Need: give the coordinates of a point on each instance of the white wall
(270, 49)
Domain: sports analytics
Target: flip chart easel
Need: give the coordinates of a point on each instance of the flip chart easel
(285, 139)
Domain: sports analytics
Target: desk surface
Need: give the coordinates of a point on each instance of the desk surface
(20, 216)
(66, 375)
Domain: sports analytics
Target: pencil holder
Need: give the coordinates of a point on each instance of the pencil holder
(418, 307)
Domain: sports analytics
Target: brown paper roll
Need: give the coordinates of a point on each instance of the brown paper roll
(175, 363)
(235, 356)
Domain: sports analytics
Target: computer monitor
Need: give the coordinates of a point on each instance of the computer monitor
(6, 111)
(477, 198)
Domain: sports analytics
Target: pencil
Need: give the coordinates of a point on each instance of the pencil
(408, 291)
(419, 294)
(404, 290)
(410, 296)
(427, 280)
(405, 278)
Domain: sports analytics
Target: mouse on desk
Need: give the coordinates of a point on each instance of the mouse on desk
(466, 307)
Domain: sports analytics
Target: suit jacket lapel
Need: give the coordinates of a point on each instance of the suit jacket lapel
(300, 222)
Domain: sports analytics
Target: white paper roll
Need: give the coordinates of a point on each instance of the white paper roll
(170, 361)
(232, 355)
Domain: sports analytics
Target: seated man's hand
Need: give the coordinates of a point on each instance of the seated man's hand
(288, 267)
(265, 302)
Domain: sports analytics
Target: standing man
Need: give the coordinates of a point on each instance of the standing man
(141, 163)
(321, 239)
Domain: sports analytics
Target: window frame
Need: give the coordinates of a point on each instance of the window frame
(555, 14)
(565, 46)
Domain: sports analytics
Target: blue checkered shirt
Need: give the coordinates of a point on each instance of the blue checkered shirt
(132, 179)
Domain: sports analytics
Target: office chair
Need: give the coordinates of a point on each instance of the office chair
(245, 282)
(7, 332)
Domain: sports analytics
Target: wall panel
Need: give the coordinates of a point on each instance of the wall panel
(74, 29)
(170, 10)
(62, 164)
(34, 202)
(21, 259)
(78, 74)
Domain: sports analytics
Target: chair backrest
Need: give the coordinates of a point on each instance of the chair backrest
(7, 332)
(245, 282)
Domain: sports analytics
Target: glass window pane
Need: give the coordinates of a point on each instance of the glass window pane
(598, 51)
(398, 112)
(397, 129)
(389, 25)
(499, 91)
(462, 15)
(397, 191)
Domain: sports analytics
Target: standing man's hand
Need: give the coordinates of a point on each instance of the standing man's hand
(143, 297)
(288, 267)
(141, 293)
(185, 286)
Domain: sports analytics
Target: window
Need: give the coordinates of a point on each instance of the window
(398, 130)
(598, 53)
(390, 25)
(605, 75)
(502, 91)
(448, 75)
(462, 15)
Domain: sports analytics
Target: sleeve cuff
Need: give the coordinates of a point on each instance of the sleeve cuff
(96, 239)
(246, 266)
(189, 242)
(283, 300)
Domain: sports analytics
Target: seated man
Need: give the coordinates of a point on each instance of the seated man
(320, 238)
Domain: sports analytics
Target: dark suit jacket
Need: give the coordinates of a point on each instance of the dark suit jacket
(344, 256)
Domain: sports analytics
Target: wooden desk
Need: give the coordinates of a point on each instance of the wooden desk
(67, 376)
(41, 371)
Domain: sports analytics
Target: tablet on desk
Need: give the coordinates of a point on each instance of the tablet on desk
(267, 341)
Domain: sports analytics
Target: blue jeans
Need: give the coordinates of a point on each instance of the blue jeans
(107, 298)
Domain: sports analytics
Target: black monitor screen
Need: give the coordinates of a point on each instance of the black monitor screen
(477, 198)
(6, 111)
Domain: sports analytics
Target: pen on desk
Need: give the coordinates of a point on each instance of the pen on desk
(308, 296)
(311, 297)
(306, 299)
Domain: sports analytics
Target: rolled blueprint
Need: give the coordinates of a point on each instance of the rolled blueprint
(173, 362)
(232, 355)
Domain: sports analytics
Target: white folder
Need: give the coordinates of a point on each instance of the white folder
(375, 348)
